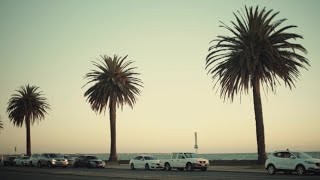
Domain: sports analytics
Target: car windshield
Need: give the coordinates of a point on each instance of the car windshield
(55, 155)
(92, 157)
(302, 155)
(190, 155)
(25, 158)
(150, 158)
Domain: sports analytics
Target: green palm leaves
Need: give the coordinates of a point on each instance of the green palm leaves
(115, 80)
(27, 104)
(257, 49)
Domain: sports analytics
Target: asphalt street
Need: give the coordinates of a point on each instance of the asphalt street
(26, 173)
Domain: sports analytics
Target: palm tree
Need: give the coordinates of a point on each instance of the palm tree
(259, 53)
(27, 107)
(115, 84)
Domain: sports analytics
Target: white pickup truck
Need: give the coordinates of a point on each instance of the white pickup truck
(183, 160)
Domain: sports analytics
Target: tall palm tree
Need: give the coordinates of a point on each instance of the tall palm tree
(114, 84)
(259, 53)
(27, 106)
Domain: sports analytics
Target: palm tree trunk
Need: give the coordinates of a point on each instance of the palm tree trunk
(113, 148)
(259, 122)
(28, 136)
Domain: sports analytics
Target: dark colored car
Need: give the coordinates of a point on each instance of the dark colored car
(89, 161)
(9, 161)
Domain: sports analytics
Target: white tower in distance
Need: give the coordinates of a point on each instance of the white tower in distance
(196, 142)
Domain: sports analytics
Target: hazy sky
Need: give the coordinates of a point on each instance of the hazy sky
(51, 44)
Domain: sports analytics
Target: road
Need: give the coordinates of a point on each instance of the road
(26, 173)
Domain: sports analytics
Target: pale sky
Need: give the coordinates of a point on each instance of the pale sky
(51, 44)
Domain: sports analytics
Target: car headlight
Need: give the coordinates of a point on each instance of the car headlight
(53, 160)
(309, 162)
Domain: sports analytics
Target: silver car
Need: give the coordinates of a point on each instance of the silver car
(34, 159)
(52, 160)
(70, 159)
(22, 161)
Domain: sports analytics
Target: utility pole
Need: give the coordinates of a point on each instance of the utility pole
(196, 142)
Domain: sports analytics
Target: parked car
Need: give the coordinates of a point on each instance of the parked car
(288, 162)
(145, 162)
(34, 159)
(89, 161)
(70, 159)
(183, 160)
(9, 160)
(52, 160)
(22, 161)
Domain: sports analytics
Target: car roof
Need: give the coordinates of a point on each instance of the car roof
(283, 151)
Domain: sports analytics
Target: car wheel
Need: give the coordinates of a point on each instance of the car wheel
(132, 166)
(300, 170)
(167, 167)
(204, 169)
(271, 169)
(39, 164)
(189, 167)
(31, 163)
(147, 167)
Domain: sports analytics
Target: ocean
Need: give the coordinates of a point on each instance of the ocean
(213, 156)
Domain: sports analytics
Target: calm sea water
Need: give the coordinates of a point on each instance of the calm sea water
(218, 156)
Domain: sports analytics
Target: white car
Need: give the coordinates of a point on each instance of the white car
(22, 161)
(145, 162)
(185, 160)
(34, 159)
(288, 162)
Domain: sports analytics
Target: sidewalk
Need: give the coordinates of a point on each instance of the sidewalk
(244, 169)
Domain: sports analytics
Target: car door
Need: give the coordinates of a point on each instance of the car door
(140, 162)
(278, 160)
(181, 160)
(78, 161)
(174, 159)
(291, 162)
(42, 158)
(83, 161)
(285, 160)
